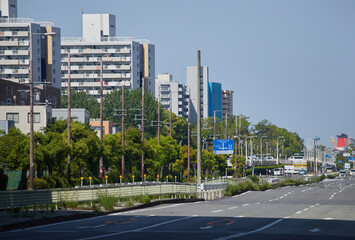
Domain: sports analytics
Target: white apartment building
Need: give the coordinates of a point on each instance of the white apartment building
(191, 78)
(227, 103)
(172, 93)
(42, 116)
(8, 8)
(15, 40)
(126, 61)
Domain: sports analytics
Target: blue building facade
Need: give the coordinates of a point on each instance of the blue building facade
(215, 99)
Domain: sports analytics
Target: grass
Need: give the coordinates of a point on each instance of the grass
(254, 185)
(106, 200)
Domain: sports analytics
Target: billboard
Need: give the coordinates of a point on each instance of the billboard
(223, 146)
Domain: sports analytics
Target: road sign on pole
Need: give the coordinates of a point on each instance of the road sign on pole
(351, 159)
(223, 146)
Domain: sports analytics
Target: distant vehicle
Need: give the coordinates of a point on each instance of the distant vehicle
(342, 174)
(302, 172)
(278, 171)
(352, 172)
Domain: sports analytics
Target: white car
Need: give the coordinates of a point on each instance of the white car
(352, 172)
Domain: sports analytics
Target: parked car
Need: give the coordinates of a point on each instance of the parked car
(342, 174)
(352, 172)
(302, 172)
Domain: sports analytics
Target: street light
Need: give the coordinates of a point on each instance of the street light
(277, 149)
(315, 154)
(261, 147)
(31, 105)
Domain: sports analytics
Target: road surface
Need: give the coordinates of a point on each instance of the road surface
(320, 211)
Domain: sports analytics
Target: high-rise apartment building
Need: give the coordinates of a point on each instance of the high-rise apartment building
(215, 100)
(8, 8)
(227, 103)
(191, 78)
(126, 61)
(23, 38)
(172, 93)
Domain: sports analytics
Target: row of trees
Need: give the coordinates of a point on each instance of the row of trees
(167, 159)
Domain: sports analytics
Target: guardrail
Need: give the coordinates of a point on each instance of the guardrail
(28, 198)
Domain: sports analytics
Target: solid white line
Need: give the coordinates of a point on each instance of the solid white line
(54, 224)
(220, 210)
(138, 229)
(144, 210)
(251, 232)
(56, 231)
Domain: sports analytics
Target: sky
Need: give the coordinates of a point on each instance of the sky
(291, 62)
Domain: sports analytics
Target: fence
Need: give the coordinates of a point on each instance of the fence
(26, 198)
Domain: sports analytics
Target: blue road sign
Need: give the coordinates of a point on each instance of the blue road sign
(328, 156)
(223, 146)
(340, 161)
(351, 159)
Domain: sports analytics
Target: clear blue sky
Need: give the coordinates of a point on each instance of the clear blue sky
(290, 62)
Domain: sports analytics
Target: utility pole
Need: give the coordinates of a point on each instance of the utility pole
(171, 126)
(235, 151)
(142, 173)
(123, 137)
(277, 149)
(239, 135)
(101, 116)
(122, 114)
(69, 121)
(159, 115)
(188, 141)
(225, 128)
(198, 95)
(31, 115)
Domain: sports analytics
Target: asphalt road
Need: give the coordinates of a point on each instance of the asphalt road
(320, 211)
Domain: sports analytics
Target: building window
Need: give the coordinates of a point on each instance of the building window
(36, 117)
(12, 117)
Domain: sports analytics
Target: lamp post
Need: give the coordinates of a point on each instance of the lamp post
(266, 151)
(277, 149)
(31, 105)
(261, 146)
(315, 154)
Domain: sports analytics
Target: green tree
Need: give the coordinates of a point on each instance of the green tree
(81, 99)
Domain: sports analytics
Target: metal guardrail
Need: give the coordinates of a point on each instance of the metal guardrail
(26, 198)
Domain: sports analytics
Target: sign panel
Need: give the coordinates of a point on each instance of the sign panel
(346, 154)
(223, 146)
(328, 156)
(351, 159)
(347, 165)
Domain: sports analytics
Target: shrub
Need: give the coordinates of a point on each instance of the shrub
(330, 176)
(255, 179)
(264, 186)
(40, 183)
(106, 200)
(144, 198)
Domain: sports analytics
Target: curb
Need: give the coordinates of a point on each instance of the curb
(50, 220)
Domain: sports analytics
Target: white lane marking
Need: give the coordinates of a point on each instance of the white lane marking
(311, 206)
(305, 209)
(287, 217)
(271, 200)
(152, 215)
(298, 212)
(281, 197)
(143, 210)
(56, 231)
(232, 208)
(54, 224)
(240, 216)
(317, 204)
(207, 227)
(289, 192)
(138, 229)
(97, 226)
(220, 210)
(327, 218)
(258, 203)
(245, 204)
(314, 230)
(238, 235)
